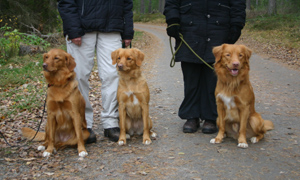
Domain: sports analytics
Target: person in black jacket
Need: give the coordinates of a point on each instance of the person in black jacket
(204, 24)
(97, 26)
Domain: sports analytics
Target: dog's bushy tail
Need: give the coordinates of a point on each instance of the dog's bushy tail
(268, 125)
(29, 133)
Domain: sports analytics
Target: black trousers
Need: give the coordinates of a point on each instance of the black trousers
(199, 92)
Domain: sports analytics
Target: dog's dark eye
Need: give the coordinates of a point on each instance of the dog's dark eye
(56, 58)
(119, 58)
(227, 54)
(241, 55)
(128, 59)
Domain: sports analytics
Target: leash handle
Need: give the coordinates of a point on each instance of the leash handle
(172, 63)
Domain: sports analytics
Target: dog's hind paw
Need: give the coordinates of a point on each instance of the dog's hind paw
(121, 143)
(213, 141)
(41, 148)
(243, 145)
(83, 154)
(46, 154)
(254, 140)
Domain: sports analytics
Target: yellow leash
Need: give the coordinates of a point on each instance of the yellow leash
(172, 63)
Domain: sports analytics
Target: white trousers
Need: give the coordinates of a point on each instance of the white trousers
(103, 44)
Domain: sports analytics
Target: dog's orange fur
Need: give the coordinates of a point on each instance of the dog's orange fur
(235, 99)
(133, 95)
(66, 123)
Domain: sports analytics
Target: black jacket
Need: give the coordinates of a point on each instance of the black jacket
(81, 16)
(204, 24)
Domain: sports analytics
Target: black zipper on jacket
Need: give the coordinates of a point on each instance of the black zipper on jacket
(189, 4)
(224, 6)
(82, 11)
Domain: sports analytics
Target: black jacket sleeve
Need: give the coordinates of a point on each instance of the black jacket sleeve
(238, 13)
(171, 10)
(70, 17)
(128, 20)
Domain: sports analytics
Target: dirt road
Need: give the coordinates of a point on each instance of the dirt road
(175, 155)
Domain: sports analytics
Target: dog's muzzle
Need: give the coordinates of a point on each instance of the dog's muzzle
(120, 67)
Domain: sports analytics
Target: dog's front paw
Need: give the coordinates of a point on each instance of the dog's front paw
(121, 142)
(254, 140)
(243, 145)
(41, 148)
(147, 142)
(215, 141)
(46, 154)
(153, 134)
(83, 154)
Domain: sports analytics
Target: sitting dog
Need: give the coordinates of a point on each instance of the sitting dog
(133, 95)
(235, 99)
(66, 123)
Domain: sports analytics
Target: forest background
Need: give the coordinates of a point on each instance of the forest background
(29, 28)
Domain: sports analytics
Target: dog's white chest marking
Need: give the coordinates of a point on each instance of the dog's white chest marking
(135, 100)
(228, 101)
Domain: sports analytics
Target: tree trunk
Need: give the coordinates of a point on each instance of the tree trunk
(161, 6)
(142, 7)
(248, 5)
(150, 6)
(272, 7)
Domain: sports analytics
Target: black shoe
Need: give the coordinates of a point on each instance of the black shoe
(92, 137)
(112, 133)
(191, 125)
(209, 127)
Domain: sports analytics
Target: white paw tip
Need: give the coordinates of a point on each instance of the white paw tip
(243, 145)
(83, 154)
(154, 135)
(41, 148)
(253, 140)
(46, 154)
(121, 143)
(147, 142)
(213, 141)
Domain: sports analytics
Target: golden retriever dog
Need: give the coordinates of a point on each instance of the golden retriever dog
(133, 95)
(235, 99)
(66, 123)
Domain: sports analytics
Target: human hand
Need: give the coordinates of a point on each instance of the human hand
(173, 31)
(127, 42)
(76, 41)
(235, 33)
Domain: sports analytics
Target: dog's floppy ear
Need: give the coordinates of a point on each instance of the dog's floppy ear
(114, 56)
(217, 51)
(247, 51)
(139, 56)
(71, 64)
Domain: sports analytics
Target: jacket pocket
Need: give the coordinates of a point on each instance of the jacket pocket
(185, 8)
(224, 6)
